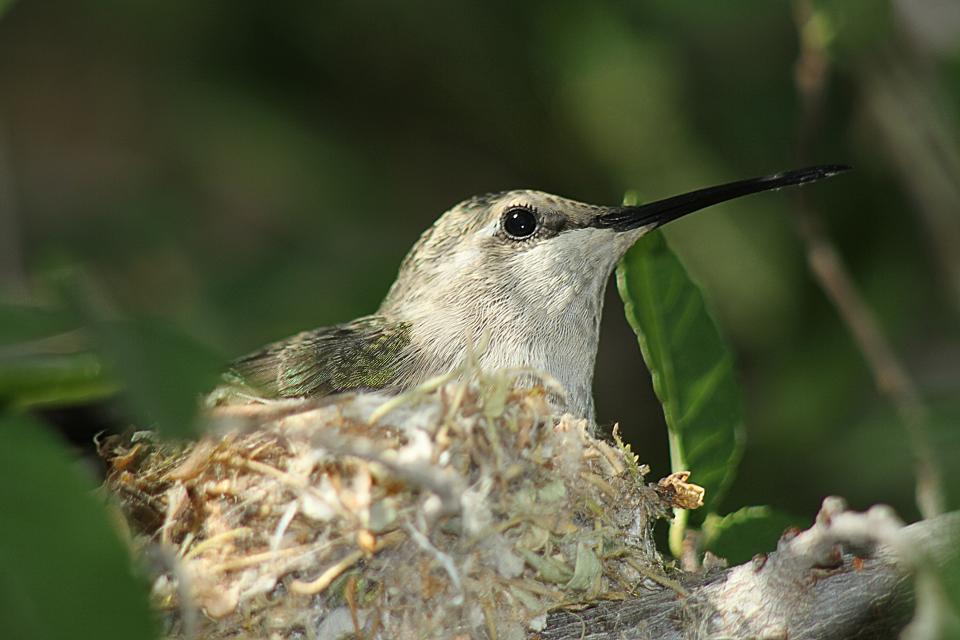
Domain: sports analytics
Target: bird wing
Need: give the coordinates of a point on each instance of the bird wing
(368, 353)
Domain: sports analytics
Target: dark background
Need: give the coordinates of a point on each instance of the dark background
(245, 171)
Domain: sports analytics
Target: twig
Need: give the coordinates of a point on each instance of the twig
(217, 540)
(165, 557)
(662, 580)
(327, 577)
(242, 562)
(442, 558)
(831, 272)
(445, 484)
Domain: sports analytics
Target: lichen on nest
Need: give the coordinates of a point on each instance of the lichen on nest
(463, 509)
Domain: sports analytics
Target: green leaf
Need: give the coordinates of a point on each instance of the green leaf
(691, 366)
(45, 360)
(740, 535)
(65, 573)
(949, 575)
(52, 380)
(163, 372)
(19, 323)
(937, 581)
(548, 568)
(587, 571)
(5, 5)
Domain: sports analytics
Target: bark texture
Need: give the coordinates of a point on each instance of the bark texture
(848, 576)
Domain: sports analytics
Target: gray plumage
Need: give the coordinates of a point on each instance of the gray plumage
(523, 272)
(364, 354)
(535, 301)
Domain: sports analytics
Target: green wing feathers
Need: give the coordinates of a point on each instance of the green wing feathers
(365, 354)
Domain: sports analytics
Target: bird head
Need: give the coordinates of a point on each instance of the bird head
(534, 248)
(524, 273)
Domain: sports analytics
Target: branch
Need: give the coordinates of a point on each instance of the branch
(845, 577)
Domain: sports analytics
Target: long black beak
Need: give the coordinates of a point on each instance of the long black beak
(663, 211)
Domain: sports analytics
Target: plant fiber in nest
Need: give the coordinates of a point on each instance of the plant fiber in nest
(463, 510)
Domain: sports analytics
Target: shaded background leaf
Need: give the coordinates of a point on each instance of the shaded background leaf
(51, 380)
(65, 573)
(20, 323)
(740, 535)
(163, 372)
(46, 360)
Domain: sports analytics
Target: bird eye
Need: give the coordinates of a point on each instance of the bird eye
(519, 222)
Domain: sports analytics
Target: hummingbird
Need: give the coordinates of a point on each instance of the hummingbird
(523, 271)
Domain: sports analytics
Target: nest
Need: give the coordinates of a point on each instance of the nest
(457, 510)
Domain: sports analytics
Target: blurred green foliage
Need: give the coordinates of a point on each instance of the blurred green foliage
(66, 573)
(230, 174)
(79, 351)
(947, 577)
(164, 372)
(24, 323)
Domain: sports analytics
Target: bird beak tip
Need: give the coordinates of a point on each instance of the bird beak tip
(655, 214)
